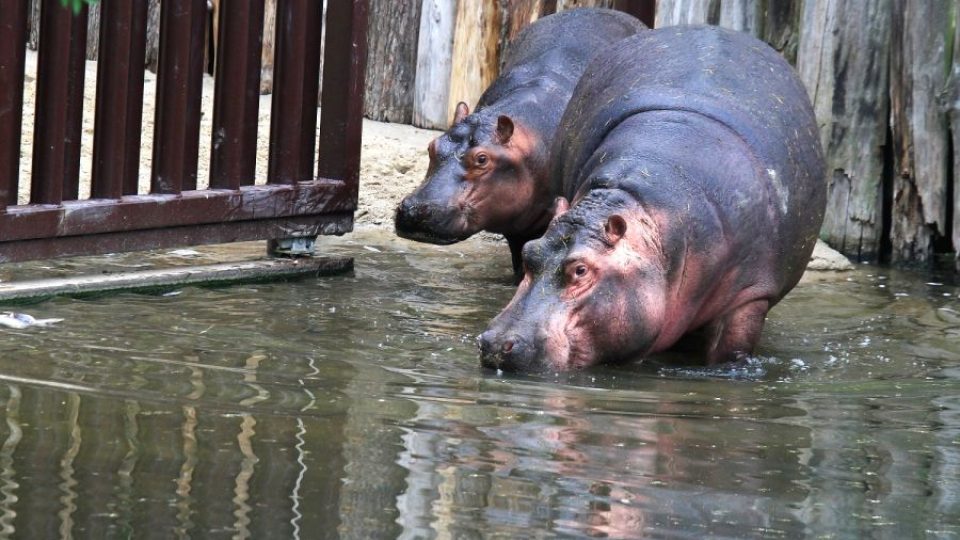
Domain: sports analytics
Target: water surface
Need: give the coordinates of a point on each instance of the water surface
(354, 407)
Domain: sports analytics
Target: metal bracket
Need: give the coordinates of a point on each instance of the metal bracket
(301, 246)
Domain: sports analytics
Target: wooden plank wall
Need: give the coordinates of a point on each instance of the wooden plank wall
(883, 78)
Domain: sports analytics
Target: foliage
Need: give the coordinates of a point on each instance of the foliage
(77, 5)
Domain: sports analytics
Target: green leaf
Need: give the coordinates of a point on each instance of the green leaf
(76, 5)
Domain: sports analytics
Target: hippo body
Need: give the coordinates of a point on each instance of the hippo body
(489, 171)
(693, 162)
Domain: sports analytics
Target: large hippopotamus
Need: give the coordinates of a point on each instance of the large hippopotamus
(489, 171)
(692, 159)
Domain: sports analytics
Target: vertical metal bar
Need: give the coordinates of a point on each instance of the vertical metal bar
(296, 81)
(176, 138)
(13, 43)
(341, 117)
(118, 123)
(56, 140)
(236, 99)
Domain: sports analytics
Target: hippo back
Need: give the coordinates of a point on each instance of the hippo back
(726, 76)
(582, 32)
(552, 53)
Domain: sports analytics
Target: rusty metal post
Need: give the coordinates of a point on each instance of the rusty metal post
(176, 139)
(13, 44)
(119, 112)
(341, 118)
(236, 99)
(60, 73)
(296, 81)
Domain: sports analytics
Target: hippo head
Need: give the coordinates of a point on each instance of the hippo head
(480, 178)
(593, 290)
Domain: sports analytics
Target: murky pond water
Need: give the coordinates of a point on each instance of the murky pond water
(354, 407)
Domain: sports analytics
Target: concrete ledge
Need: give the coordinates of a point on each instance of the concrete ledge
(257, 271)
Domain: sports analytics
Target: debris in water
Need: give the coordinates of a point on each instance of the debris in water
(11, 319)
(371, 248)
(184, 253)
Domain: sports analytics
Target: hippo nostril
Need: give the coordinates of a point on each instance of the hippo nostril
(485, 344)
(507, 347)
(404, 209)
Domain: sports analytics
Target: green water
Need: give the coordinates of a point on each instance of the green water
(354, 407)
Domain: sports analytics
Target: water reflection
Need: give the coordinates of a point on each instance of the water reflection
(353, 407)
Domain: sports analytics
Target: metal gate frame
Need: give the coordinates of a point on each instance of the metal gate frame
(297, 199)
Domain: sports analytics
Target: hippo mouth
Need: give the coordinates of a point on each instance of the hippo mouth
(413, 225)
(429, 237)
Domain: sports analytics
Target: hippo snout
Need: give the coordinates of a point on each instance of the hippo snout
(509, 352)
(409, 214)
(427, 222)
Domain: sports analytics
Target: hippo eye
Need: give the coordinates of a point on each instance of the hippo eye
(481, 159)
(576, 272)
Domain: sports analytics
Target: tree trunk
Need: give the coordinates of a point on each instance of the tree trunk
(392, 59)
(434, 58)
(475, 62)
(673, 12)
(843, 61)
(920, 130)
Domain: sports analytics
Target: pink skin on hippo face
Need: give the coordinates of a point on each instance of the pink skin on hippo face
(480, 178)
(593, 291)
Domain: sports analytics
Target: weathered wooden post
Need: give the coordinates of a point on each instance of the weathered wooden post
(844, 62)
(673, 12)
(392, 45)
(434, 56)
(920, 131)
(475, 63)
(954, 109)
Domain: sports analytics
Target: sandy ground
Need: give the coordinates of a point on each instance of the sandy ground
(393, 159)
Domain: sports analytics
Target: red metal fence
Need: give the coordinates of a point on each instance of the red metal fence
(296, 200)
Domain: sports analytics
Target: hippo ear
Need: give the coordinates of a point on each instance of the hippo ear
(615, 228)
(504, 129)
(462, 111)
(560, 207)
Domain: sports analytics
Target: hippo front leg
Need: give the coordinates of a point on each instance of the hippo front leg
(736, 334)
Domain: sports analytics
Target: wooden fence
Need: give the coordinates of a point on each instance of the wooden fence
(310, 188)
(882, 74)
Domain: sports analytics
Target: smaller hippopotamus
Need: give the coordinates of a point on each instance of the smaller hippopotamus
(693, 160)
(489, 171)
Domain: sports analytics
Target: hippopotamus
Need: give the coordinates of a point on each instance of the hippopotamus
(489, 171)
(693, 164)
